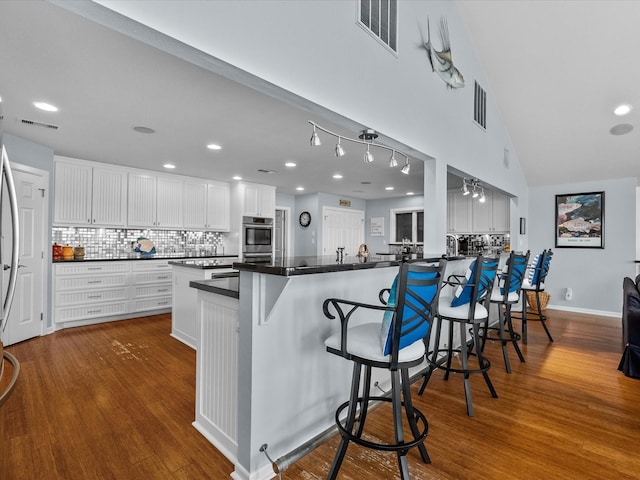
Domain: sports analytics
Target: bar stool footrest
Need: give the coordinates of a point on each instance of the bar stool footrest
(387, 447)
(486, 365)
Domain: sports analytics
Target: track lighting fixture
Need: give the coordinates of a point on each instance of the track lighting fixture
(366, 137)
(472, 186)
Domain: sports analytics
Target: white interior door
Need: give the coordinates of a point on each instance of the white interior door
(342, 227)
(25, 317)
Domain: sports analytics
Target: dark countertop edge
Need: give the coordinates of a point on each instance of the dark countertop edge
(338, 267)
(205, 287)
(155, 257)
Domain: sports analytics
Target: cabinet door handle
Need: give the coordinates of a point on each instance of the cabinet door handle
(163, 290)
(94, 281)
(164, 277)
(95, 311)
(94, 296)
(163, 303)
(94, 268)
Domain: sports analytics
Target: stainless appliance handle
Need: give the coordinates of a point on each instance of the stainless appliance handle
(13, 203)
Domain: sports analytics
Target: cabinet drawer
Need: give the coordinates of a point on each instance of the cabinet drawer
(91, 268)
(152, 277)
(157, 303)
(91, 282)
(151, 265)
(152, 291)
(91, 296)
(69, 314)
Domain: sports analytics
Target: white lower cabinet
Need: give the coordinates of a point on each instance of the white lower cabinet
(100, 291)
(151, 285)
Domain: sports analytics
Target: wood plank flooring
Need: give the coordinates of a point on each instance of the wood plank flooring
(116, 401)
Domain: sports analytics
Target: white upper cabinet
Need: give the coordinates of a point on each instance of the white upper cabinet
(154, 201)
(89, 195)
(468, 215)
(458, 212)
(258, 200)
(207, 205)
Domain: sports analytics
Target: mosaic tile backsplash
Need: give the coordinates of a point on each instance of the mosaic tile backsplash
(117, 242)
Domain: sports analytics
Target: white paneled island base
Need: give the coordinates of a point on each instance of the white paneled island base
(288, 387)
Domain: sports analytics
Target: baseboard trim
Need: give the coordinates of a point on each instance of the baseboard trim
(602, 313)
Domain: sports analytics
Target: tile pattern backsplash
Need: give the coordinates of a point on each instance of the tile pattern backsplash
(117, 242)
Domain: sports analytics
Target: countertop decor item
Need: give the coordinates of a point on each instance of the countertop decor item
(67, 252)
(144, 247)
(56, 251)
(78, 253)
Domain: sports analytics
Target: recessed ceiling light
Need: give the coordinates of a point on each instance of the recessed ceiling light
(237, 177)
(337, 176)
(300, 189)
(622, 109)
(290, 164)
(169, 166)
(410, 193)
(388, 188)
(47, 107)
(213, 146)
(146, 130)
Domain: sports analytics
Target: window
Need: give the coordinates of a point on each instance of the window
(379, 17)
(407, 223)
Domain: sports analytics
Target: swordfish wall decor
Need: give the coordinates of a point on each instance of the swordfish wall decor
(441, 62)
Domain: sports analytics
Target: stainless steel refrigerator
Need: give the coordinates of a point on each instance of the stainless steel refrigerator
(9, 365)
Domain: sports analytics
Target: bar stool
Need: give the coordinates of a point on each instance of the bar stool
(396, 344)
(534, 282)
(506, 294)
(464, 308)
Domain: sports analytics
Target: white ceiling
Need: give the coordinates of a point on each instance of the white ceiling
(557, 69)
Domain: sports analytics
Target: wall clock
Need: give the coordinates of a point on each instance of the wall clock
(305, 219)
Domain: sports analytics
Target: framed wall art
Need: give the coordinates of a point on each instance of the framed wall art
(580, 220)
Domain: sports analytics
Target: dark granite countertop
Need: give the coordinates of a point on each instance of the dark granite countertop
(205, 264)
(223, 284)
(290, 266)
(137, 256)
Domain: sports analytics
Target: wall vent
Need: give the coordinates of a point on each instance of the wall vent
(33, 123)
(505, 159)
(480, 106)
(380, 18)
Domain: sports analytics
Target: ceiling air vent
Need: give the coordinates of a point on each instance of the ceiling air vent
(480, 106)
(33, 123)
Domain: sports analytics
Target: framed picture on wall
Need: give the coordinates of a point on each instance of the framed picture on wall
(580, 220)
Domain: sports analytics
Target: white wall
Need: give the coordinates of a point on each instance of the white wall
(595, 275)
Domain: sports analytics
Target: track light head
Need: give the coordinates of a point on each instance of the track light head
(368, 156)
(406, 168)
(392, 161)
(465, 189)
(339, 149)
(315, 139)
(482, 198)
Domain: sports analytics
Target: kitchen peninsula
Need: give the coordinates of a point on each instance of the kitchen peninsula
(263, 375)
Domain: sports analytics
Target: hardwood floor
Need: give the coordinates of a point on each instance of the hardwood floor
(116, 401)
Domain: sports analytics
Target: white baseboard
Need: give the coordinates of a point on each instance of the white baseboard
(602, 313)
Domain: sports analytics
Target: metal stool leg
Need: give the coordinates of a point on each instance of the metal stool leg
(396, 402)
(503, 340)
(465, 366)
(524, 319)
(351, 417)
(411, 416)
(434, 357)
(512, 334)
(483, 364)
